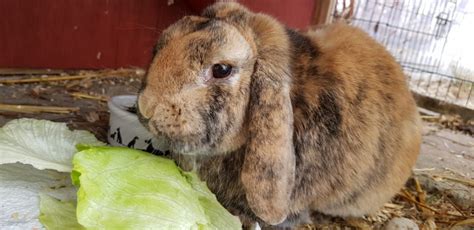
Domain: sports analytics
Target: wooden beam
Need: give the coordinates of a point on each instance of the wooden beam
(323, 11)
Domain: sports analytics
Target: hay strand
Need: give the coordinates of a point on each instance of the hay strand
(35, 79)
(465, 181)
(91, 97)
(37, 109)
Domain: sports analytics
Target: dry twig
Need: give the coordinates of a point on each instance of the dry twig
(87, 96)
(429, 118)
(118, 73)
(466, 181)
(405, 194)
(421, 197)
(36, 109)
(455, 206)
(469, 221)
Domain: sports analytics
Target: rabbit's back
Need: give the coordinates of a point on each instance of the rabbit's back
(356, 128)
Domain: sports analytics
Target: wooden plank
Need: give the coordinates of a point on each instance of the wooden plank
(139, 27)
(294, 13)
(86, 34)
(427, 112)
(96, 34)
(323, 10)
(9, 72)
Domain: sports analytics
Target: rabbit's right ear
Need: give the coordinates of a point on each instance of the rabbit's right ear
(227, 10)
(183, 26)
(233, 13)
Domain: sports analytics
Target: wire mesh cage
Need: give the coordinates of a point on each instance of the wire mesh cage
(432, 40)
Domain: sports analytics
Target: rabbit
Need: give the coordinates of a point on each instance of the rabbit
(279, 122)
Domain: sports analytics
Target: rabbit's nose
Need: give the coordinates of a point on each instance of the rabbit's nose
(144, 107)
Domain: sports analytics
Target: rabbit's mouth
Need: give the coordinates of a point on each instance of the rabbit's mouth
(189, 148)
(186, 144)
(144, 121)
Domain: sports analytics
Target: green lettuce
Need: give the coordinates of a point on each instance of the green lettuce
(56, 214)
(116, 188)
(35, 158)
(41, 143)
(121, 188)
(219, 217)
(20, 186)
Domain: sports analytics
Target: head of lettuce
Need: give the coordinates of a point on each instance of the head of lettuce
(117, 188)
(121, 188)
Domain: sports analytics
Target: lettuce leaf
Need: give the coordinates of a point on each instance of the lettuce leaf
(219, 217)
(56, 214)
(29, 149)
(20, 186)
(121, 188)
(41, 143)
(118, 188)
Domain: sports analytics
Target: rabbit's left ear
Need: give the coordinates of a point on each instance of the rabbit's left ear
(269, 167)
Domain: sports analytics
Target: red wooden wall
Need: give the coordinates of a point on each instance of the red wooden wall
(92, 34)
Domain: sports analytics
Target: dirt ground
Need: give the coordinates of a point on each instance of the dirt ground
(446, 150)
(93, 113)
(445, 169)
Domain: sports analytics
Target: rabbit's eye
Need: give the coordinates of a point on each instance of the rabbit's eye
(221, 70)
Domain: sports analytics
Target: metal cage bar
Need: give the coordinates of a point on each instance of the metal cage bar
(419, 35)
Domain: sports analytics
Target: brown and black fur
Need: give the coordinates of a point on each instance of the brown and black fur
(310, 121)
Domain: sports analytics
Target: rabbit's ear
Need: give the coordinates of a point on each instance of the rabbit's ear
(185, 25)
(269, 167)
(226, 10)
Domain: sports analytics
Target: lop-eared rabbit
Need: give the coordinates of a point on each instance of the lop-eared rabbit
(279, 122)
